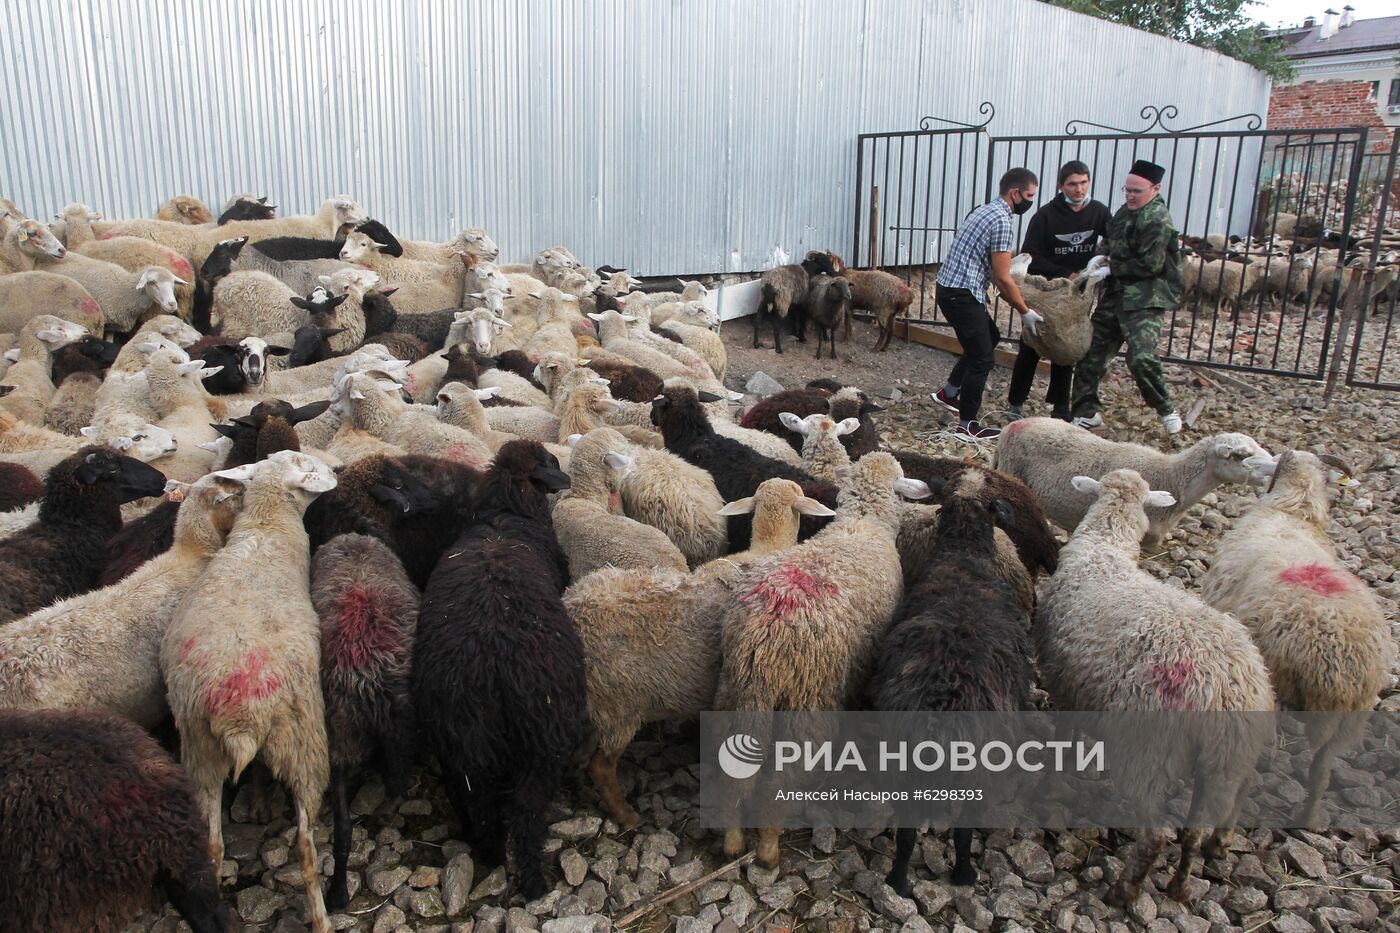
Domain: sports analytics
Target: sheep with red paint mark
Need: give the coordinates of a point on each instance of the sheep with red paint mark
(1110, 636)
(241, 657)
(498, 670)
(803, 625)
(1322, 631)
(102, 649)
(368, 609)
(960, 641)
(94, 816)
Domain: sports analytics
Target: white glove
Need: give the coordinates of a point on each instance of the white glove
(1030, 323)
(1095, 264)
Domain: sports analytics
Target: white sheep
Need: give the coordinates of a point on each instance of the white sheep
(249, 686)
(1047, 453)
(185, 410)
(124, 297)
(823, 456)
(473, 241)
(27, 243)
(26, 295)
(372, 403)
(1322, 632)
(31, 364)
(1112, 637)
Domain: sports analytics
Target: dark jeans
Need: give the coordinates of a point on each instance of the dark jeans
(1023, 376)
(978, 334)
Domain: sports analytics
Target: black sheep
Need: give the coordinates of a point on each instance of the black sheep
(416, 504)
(245, 209)
(268, 428)
(217, 264)
(515, 361)
(1035, 542)
(819, 397)
(626, 382)
(138, 541)
(310, 342)
(368, 609)
(960, 642)
(431, 327)
(18, 487)
(296, 248)
(89, 355)
(243, 362)
(60, 555)
(464, 365)
(737, 468)
(94, 815)
(498, 679)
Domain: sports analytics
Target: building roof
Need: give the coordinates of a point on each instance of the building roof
(1363, 35)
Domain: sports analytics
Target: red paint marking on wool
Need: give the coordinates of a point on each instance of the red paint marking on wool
(1014, 426)
(249, 682)
(1173, 680)
(357, 637)
(186, 647)
(90, 307)
(1321, 579)
(463, 454)
(181, 266)
(615, 502)
(790, 589)
(108, 234)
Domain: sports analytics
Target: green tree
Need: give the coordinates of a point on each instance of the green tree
(1220, 25)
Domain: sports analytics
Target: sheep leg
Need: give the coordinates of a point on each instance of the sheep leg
(397, 746)
(306, 849)
(777, 334)
(527, 833)
(964, 872)
(898, 878)
(821, 333)
(733, 842)
(768, 850)
(338, 895)
(603, 770)
(212, 800)
(198, 903)
(757, 323)
(1140, 861)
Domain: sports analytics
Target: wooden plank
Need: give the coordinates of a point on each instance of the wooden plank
(945, 340)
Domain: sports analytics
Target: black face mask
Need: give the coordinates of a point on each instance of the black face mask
(1024, 206)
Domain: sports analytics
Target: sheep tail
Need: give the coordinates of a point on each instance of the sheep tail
(242, 747)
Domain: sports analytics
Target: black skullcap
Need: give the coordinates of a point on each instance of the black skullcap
(1149, 170)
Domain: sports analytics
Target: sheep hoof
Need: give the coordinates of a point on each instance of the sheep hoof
(1179, 889)
(963, 875)
(733, 843)
(337, 896)
(900, 884)
(628, 819)
(1121, 895)
(768, 852)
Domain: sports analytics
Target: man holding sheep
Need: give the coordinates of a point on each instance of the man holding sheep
(981, 252)
(1144, 259)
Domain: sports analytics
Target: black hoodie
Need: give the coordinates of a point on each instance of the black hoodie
(1062, 240)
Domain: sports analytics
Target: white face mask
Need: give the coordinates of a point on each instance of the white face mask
(1073, 203)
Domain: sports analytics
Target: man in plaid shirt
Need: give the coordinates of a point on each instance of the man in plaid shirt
(981, 253)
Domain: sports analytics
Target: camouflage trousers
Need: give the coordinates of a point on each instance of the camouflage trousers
(1142, 330)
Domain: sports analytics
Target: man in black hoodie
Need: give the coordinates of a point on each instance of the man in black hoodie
(1061, 239)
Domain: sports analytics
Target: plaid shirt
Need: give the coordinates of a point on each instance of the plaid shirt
(986, 230)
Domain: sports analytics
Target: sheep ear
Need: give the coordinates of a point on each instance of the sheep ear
(190, 366)
(48, 335)
(89, 432)
(573, 439)
(793, 423)
(912, 488)
(870, 407)
(12, 355)
(629, 318)
(1160, 499)
(1085, 484)
(242, 474)
(847, 426)
(308, 412)
(742, 506)
(175, 486)
(180, 281)
(357, 395)
(808, 506)
(488, 392)
(1003, 515)
(121, 443)
(595, 315)
(147, 278)
(708, 396)
(211, 371)
(620, 462)
(149, 347)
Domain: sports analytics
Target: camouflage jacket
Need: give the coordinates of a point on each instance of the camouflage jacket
(1144, 255)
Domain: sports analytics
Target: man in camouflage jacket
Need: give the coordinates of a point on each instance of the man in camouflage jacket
(1144, 260)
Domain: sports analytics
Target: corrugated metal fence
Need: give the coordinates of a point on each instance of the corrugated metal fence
(668, 136)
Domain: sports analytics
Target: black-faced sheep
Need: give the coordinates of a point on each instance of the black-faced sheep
(736, 468)
(498, 674)
(60, 554)
(368, 609)
(94, 815)
(248, 209)
(829, 308)
(218, 264)
(960, 641)
(884, 295)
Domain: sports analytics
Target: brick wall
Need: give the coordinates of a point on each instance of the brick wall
(1319, 104)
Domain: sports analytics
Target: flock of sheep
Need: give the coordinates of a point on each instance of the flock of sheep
(332, 500)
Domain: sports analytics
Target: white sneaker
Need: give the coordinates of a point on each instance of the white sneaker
(1087, 423)
(1172, 422)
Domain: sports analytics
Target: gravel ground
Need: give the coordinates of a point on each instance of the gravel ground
(409, 873)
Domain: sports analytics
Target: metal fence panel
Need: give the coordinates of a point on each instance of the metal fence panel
(671, 136)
